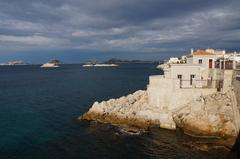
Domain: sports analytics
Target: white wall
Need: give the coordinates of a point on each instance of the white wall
(227, 83)
(186, 71)
(164, 94)
(205, 60)
(190, 60)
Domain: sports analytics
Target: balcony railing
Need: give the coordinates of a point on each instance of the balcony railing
(228, 65)
(185, 84)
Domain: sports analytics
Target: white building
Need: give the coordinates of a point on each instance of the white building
(174, 60)
(205, 58)
(204, 73)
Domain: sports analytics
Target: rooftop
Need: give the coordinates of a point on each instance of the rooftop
(208, 52)
(202, 52)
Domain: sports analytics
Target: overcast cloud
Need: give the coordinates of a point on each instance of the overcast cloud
(143, 26)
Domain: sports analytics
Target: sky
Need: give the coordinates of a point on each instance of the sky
(79, 30)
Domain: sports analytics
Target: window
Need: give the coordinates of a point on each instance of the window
(179, 76)
(199, 61)
(191, 79)
(210, 63)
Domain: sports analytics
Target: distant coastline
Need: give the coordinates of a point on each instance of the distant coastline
(114, 62)
(100, 63)
(119, 61)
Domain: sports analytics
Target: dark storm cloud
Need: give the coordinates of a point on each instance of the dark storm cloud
(119, 25)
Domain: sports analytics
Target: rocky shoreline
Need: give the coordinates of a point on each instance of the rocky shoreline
(208, 116)
(129, 112)
(130, 123)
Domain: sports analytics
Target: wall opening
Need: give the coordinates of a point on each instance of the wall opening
(191, 79)
(210, 63)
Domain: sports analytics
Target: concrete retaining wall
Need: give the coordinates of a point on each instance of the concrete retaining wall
(164, 94)
(236, 88)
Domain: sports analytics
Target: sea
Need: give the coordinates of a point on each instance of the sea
(39, 110)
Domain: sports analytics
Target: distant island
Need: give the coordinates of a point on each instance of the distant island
(94, 63)
(52, 64)
(119, 61)
(111, 62)
(13, 63)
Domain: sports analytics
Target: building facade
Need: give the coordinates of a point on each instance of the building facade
(203, 73)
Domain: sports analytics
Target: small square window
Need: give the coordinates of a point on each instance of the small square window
(200, 61)
(179, 76)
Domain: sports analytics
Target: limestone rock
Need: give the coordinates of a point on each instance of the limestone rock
(131, 111)
(210, 115)
(213, 117)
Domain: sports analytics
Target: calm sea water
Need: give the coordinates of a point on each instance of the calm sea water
(39, 110)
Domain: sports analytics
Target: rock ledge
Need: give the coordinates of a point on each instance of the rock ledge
(132, 111)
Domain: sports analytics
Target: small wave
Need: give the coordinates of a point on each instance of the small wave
(126, 131)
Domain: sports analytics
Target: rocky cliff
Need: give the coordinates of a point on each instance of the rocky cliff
(211, 115)
(132, 111)
(208, 116)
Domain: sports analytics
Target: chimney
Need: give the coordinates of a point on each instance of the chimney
(192, 51)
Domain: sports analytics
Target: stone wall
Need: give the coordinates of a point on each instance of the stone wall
(227, 83)
(164, 94)
(236, 88)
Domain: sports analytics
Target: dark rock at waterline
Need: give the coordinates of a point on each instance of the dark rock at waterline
(235, 151)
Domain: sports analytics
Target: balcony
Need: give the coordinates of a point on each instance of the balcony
(186, 84)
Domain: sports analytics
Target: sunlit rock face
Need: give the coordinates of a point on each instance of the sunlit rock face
(210, 115)
(132, 111)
